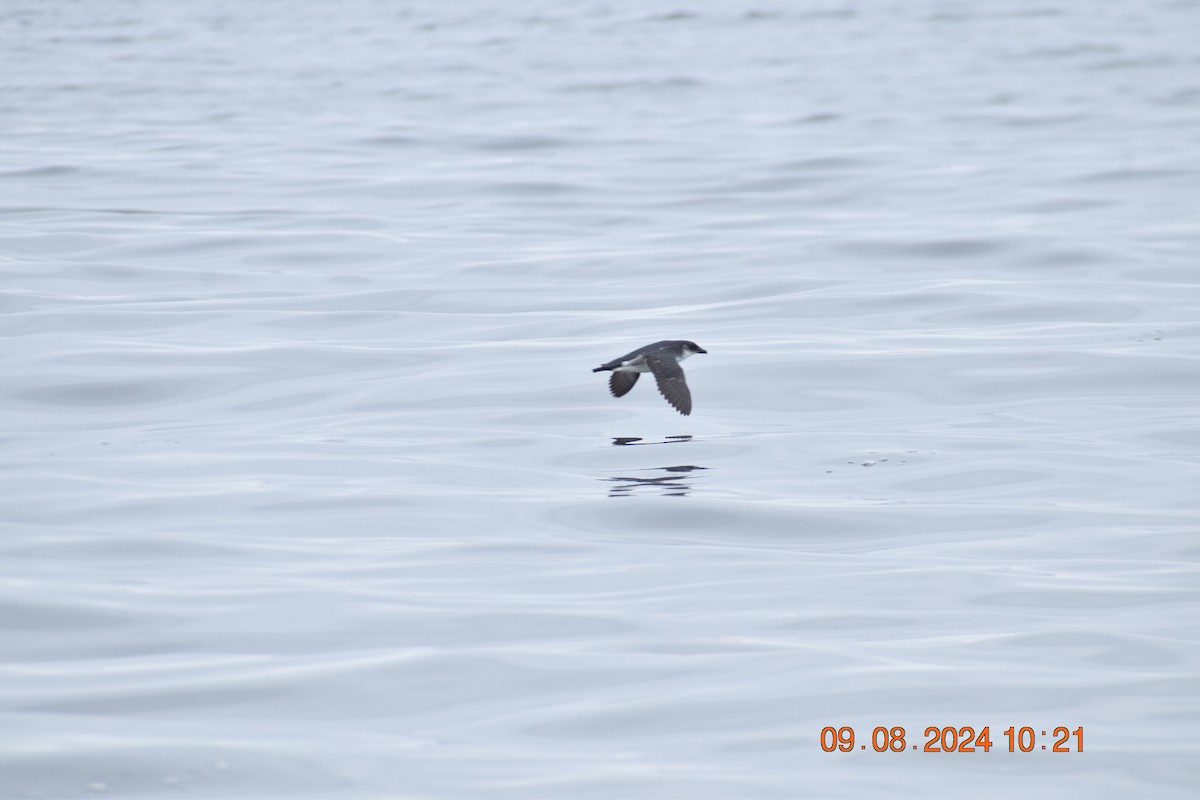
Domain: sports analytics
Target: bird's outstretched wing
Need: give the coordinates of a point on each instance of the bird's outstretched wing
(671, 382)
(621, 382)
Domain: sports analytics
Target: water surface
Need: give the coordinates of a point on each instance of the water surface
(309, 491)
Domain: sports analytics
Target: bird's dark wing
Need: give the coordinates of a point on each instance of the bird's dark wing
(671, 383)
(621, 382)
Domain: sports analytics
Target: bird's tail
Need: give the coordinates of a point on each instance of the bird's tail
(598, 369)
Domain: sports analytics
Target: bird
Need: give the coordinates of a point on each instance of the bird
(661, 358)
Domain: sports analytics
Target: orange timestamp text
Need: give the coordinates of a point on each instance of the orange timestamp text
(949, 739)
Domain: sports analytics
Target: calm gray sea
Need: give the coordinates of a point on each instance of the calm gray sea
(308, 490)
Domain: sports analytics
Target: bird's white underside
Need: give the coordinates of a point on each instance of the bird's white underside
(637, 365)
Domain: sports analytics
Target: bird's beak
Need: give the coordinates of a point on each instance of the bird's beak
(702, 351)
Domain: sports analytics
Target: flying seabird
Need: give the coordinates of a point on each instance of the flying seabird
(661, 358)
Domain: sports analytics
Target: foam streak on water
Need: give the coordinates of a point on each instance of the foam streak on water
(308, 490)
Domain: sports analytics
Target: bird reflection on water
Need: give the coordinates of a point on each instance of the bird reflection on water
(673, 482)
(638, 440)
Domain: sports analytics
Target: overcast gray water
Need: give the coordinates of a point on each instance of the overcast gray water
(308, 490)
